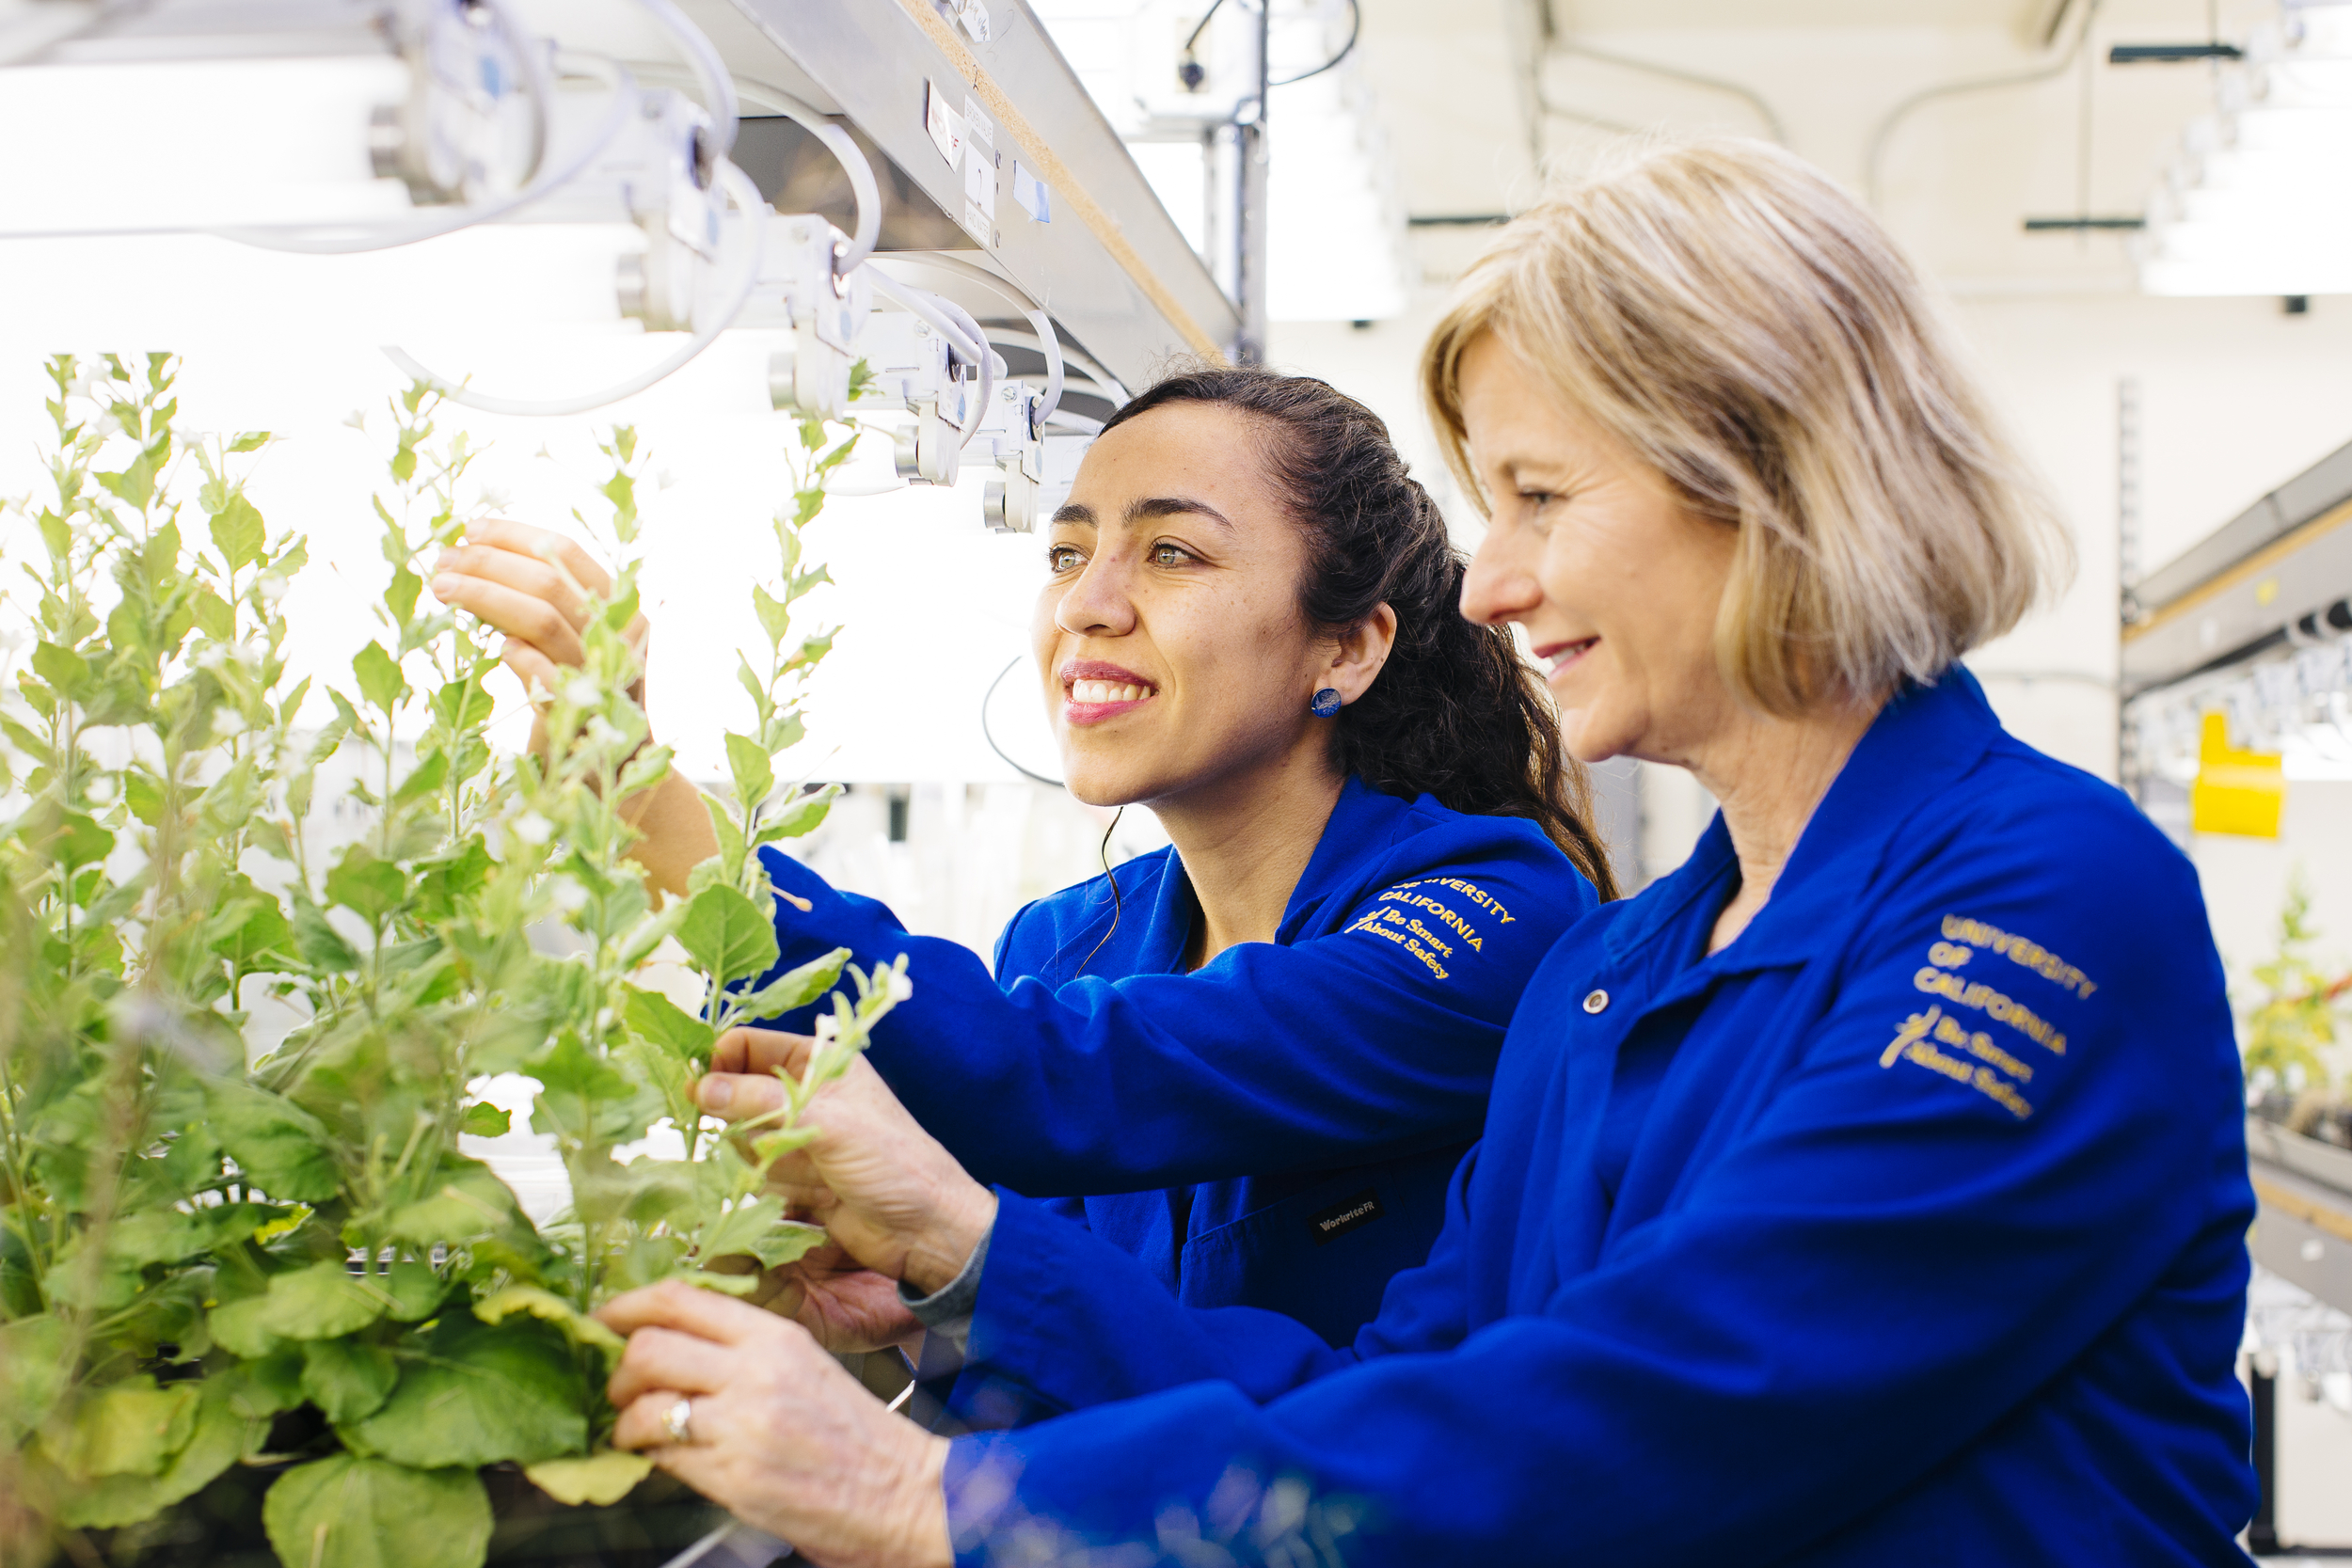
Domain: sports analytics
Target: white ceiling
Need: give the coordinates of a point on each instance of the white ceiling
(1648, 15)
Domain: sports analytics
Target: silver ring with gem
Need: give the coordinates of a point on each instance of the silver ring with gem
(678, 1422)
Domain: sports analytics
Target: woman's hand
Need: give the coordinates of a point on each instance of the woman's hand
(893, 1198)
(777, 1432)
(846, 1306)
(535, 586)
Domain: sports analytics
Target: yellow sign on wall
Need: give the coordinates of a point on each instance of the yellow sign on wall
(2235, 792)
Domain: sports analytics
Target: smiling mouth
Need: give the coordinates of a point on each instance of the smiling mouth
(1557, 656)
(1094, 693)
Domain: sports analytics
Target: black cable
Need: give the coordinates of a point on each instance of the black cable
(1103, 854)
(1188, 64)
(1205, 18)
(1355, 31)
(989, 735)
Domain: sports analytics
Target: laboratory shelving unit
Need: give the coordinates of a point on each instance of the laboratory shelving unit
(2255, 622)
(1107, 263)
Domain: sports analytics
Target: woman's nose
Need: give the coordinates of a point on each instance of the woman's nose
(1098, 604)
(1500, 583)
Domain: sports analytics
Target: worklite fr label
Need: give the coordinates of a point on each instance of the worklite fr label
(1349, 1214)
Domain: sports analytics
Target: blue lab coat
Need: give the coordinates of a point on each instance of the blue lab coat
(1907, 1229)
(1277, 1129)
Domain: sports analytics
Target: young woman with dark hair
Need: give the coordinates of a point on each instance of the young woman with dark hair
(1272, 1042)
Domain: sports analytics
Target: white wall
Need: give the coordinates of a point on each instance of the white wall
(2234, 395)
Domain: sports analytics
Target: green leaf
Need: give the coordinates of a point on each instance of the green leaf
(599, 1478)
(484, 1120)
(423, 779)
(214, 617)
(322, 1302)
(730, 837)
(282, 1149)
(470, 1203)
(252, 440)
(238, 534)
(34, 1366)
(776, 618)
(740, 1229)
(353, 1512)
(762, 703)
(654, 1017)
(149, 1236)
(415, 1290)
(270, 838)
(66, 670)
(461, 704)
(726, 935)
(810, 650)
(372, 888)
(755, 777)
(787, 1242)
(222, 1434)
(246, 931)
(346, 1378)
(130, 1429)
(379, 678)
(143, 793)
(783, 733)
(321, 946)
(548, 1306)
(444, 884)
(794, 987)
(797, 820)
(620, 490)
(650, 934)
(478, 1395)
(401, 598)
(258, 1390)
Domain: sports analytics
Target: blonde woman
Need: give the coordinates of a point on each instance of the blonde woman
(1869, 1191)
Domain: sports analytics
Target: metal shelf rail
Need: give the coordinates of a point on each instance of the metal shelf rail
(2302, 1233)
(2255, 622)
(1106, 262)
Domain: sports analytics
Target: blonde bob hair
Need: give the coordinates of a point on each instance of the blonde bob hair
(1743, 327)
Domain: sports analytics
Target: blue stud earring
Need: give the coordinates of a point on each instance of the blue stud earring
(1326, 703)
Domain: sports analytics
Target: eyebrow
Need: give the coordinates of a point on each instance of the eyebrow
(1073, 515)
(1177, 506)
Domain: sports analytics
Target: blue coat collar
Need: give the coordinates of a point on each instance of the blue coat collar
(1362, 824)
(1924, 738)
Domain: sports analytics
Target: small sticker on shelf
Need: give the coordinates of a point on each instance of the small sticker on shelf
(1032, 194)
(975, 224)
(945, 124)
(977, 126)
(973, 15)
(979, 178)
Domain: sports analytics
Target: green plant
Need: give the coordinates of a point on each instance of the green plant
(295, 1263)
(2297, 1013)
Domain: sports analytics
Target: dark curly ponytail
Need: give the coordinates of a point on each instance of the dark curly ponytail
(1455, 712)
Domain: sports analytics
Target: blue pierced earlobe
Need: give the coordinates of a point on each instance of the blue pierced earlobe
(1326, 703)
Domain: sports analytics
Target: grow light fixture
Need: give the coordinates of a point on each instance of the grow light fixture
(2297, 706)
(2253, 202)
(335, 127)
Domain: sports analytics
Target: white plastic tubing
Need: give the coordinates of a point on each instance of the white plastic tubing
(722, 96)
